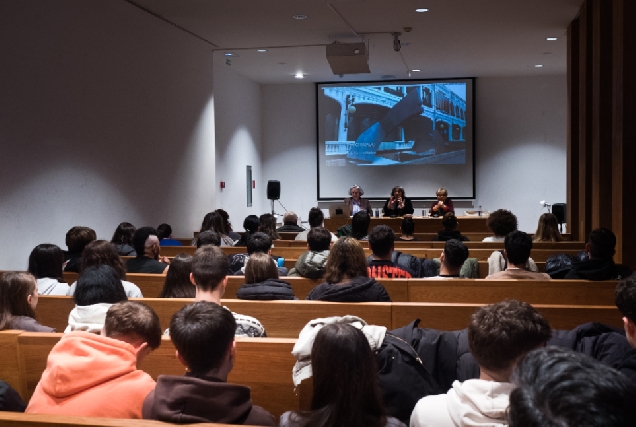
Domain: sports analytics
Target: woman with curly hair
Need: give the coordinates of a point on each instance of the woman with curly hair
(500, 222)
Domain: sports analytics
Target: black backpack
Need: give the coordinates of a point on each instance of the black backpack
(420, 266)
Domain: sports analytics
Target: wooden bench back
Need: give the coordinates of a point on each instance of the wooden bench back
(16, 419)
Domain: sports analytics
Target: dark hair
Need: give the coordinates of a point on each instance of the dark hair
(602, 243)
(133, 318)
(398, 188)
(408, 226)
(101, 252)
(345, 393)
(208, 237)
(449, 221)
(499, 334)
(225, 217)
(258, 242)
(547, 229)
(557, 387)
(316, 217)
(251, 223)
(177, 283)
(381, 240)
(15, 288)
(209, 267)
(78, 237)
(319, 239)
(455, 253)
(212, 221)
(139, 239)
(360, 225)
(268, 226)
(164, 231)
(99, 284)
(123, 234)
(259, 268)
(346, 260)
(518, 246)
(46, 260)
(202, 333)
(501, 222)
(626, 297)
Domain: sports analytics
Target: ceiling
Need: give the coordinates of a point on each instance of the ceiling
(455, 38)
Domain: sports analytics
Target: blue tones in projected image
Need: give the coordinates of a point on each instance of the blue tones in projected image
(395, 125)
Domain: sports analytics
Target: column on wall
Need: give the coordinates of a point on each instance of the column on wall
(572, 193)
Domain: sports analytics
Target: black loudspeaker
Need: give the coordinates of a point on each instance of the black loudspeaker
(273, 190)
(559, 211)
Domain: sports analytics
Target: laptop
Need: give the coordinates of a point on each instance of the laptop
(343, 211)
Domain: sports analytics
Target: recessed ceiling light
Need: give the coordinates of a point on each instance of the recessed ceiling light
(421, 10)
(299, 75)
(299, 16)
(538, 66)
(551, 38)
(230, 54)
(416, 70)
(261, 50)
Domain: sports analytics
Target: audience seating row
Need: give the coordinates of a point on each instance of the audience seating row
(285, 319)
(404, 246)
(14, 419)
(575, 292)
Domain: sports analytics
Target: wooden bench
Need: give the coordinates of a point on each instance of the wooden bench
(404, 245)
(14, 419)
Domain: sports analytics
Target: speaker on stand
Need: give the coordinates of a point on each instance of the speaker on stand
(559, 210)
(273, 192)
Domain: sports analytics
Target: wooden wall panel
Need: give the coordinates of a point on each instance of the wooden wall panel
(572, 198)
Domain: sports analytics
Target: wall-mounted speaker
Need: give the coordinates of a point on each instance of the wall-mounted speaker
(559, 211)
(273, 190)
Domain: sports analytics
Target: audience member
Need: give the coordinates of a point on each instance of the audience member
(208, 237)
(600, 248)
(203, 335)
(311, 264)
(267, 225)
(626, 303)
(250, 224)
(381, 242)
(45, 263)
(517, 254)
(408, 229)
(214, 222)
(258, 242)
(178, 284)
(450, 231)
(501, 222)
(98, 288)
(209, 273)
(18, 299)
(262, 282)
(452, 259)
(498, 336)
(560, 388)
(547, 229)
(290, 223)
(10, 400)
(146, 244)
(227, 225)
(442, 205)
(345, 393)
(94, 375)
(101, 252)
(122, 239)
(76, 240)
(164, 233)
(398, 204)
(360, 226)
(356, 202)
(316, 219)
(346, 276)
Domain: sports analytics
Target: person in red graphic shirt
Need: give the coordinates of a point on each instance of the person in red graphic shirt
(381, 266)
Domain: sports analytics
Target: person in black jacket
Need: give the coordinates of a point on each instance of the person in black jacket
(398, 204)
(626, 303)
(450, 231)
(600, 248)
(262, 282)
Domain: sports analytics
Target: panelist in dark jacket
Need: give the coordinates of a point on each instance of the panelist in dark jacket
(398, 204)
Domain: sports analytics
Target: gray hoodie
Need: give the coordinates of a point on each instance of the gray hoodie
(310, 265)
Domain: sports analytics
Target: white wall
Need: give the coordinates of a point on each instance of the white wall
(106, 115)
(238, 144)
(520, 139)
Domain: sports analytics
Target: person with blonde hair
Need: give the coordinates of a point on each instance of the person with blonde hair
(443, 204)
(346, 276)
(547, 229)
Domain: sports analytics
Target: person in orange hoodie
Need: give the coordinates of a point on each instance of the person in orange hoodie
(96, 375)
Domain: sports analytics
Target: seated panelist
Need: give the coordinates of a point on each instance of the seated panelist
(398, 204)
(356, 202)
(443, 204)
